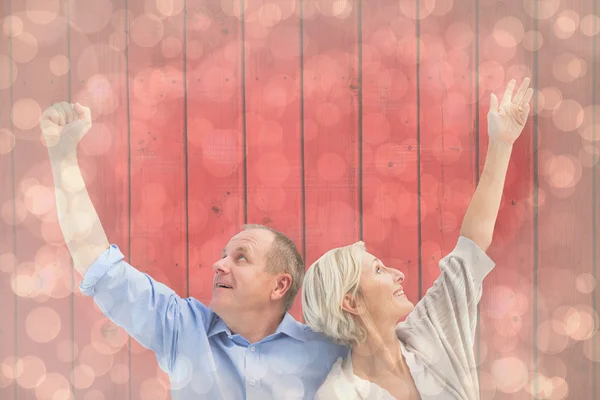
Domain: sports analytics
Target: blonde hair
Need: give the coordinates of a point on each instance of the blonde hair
(326, 283)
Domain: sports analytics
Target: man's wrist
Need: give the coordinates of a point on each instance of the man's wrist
(58, 158)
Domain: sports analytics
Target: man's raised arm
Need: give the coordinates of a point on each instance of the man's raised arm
(63, 125)
(149, 311)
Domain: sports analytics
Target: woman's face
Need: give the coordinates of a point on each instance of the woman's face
(382, 293)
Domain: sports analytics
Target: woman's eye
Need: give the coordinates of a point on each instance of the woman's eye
(240, 257)
(378, 270)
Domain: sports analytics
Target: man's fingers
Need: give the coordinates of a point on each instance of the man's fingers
(61, 114)
(68, 110)
(83, 112)
(52, 115)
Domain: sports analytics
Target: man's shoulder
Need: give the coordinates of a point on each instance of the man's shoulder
(320, 338)
(196, 312)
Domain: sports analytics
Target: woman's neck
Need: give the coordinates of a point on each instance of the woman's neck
(379, 355)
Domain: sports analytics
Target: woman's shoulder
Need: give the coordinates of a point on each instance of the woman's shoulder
(337, 385)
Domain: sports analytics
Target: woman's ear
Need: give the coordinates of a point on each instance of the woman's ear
(352, 305)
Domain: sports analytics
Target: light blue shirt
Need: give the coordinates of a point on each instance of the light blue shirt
(194, 346)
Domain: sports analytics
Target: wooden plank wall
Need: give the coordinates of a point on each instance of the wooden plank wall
(331, 121)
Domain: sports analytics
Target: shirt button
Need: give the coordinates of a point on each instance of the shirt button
(252, 349)
(252, 382)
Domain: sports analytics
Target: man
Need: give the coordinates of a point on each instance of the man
(244, 346)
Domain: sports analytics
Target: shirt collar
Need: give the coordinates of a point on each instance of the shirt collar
(288, 326)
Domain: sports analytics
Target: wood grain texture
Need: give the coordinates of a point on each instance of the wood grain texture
(273, 116)
(44, 269)
(507, 310)
(565, 210)
(8, 262)
(331, 121)
(331, 127)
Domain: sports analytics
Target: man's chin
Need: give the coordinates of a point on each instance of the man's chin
(217, 305)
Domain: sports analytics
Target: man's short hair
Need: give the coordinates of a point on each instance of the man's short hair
(283, 257)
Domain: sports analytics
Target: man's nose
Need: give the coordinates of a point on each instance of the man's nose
(221, 267)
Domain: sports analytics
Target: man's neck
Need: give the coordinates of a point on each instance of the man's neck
(380, 354)
(254, 326)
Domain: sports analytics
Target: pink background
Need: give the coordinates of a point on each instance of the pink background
(332, 121)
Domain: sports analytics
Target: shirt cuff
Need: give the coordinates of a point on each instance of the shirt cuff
(99, 268)
(474, 257)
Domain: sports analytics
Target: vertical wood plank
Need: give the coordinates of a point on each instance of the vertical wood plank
(98, 80)
(158, 170)
(505, 348)
(448, 142)
(331, 126)
(565, 200)
(389, 147)
(215, 136)
(8, 262)
(273, 136)
(44, 273)
(591, 346)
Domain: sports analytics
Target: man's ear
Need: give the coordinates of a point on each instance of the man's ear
(352, 305)
(282, 285)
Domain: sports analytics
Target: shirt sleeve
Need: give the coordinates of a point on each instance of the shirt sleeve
(150, 312)
(447, 314)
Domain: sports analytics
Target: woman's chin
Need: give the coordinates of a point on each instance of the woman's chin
(403, 307)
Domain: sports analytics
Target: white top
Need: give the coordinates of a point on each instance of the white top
(436, 338)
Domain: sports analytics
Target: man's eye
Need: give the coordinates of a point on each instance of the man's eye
(241, 256)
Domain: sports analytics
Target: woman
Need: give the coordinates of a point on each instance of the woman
(353, 298)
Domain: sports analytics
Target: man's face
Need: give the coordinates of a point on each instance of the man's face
(241, 283)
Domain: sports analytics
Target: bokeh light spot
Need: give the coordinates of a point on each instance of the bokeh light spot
(26, 113)
(43, 324)
(459, 35)
(12, 25)
(92, 16)
(566, 24)
(24, 48)
(54, 387)
(119, 374)
(34, 372)
(7, 141)
(541, 9)
(533, 40)
(170, 8)
(82, 376)
(42, 11)
(508, 31)
(147, 30)
(585, 283)
(568, 116)
(549, 341)
(510, 374)
(590, 25)
(60, 65)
